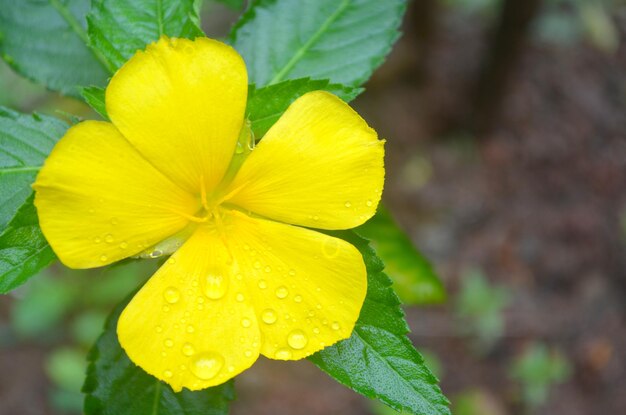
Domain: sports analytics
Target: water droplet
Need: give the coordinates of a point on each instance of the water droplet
(297, 298)
(239, 149)
(207, 365)
(248, 353)
(282, 354)
(348, 204)
(239, 297)
(282, 292)
(245, 322)
(292, 272)
(330, 248)
(231, 369)
(168, 342)
(269, 316)
(369, 203)
(114, 221)
(268, 269)
(103, 258)
(171, 261)
(124, 245)
(97, 240)
(262, 284)
(155, 254)
(335, 326)
(159, 329)
(297, 339)
(316, 218)
(238, 277)
(190, 329)
(188, 349)
(257, 265)
(171, 295)
(215, 286)
(316, 330)
(168, 374)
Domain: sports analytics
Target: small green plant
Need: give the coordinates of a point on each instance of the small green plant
(537, 370)
(479, 306)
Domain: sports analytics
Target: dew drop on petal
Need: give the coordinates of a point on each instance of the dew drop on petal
(348, 204)
(168, 374)
(239, 297)
(97, 240)
(369, 203)
(282, 292)
(104, 258)
(268, 316)
(335, 326)
(159, 329)
(124, 245)
(257, 265)
(214, 286)
(297, 298)
(292, 272)
(168, 342)
(190, 329)
(297, 339)
(109, 239)
(262, 284)
(245, 322)
(282, 354)
(188, 349)
(330, 248)
(114, 221)
(248, 353)
(155, 254)
(207, 365)
(171, 295)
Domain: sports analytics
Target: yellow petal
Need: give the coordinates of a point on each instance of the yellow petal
(99, 200)
(192, 324)
(319, 166)
(307, 287)
(181, 104)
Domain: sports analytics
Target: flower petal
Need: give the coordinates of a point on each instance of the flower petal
(307, 287)
(319, 166)
(190, 325)
(99, 200)
(184, 98)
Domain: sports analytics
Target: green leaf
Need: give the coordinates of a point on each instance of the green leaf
(266, 105)
(25, 142)
(46, 42)
(414, 278)
(343, 41)
(378, 360)
(115, 386)
(94, 96)
(118, 28)
(23, 249)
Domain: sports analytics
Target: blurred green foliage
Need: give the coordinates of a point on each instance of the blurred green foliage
(479, 306)
(538, 370)
(66, 309)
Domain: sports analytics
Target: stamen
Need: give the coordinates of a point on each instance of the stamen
(230, 194)
(203, 196)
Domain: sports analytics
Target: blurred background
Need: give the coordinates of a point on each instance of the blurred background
(505, 123)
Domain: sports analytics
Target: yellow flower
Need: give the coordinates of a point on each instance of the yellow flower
(250, 277)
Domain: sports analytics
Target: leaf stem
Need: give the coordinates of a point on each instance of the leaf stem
(300, 52)
(82, 34)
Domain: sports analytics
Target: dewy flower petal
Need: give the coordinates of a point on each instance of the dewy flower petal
(320, 166)
(241, 285)
(181, 104)
(100, 201)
